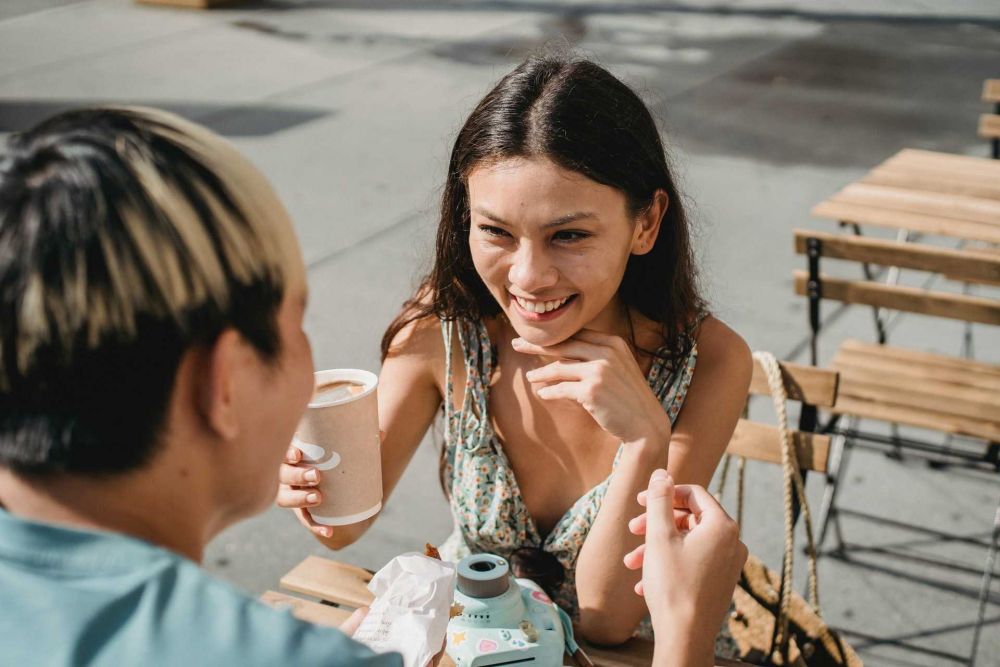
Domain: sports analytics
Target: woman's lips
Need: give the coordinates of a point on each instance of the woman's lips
(541, 311)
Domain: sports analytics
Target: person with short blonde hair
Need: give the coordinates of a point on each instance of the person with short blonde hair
(152, 370)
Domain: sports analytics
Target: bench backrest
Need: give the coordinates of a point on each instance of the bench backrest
(969, 265)
(813, 387)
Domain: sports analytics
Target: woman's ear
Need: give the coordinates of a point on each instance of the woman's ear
(647, 226)
(218, 385)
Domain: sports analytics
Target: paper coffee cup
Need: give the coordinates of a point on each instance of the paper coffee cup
(339, 436)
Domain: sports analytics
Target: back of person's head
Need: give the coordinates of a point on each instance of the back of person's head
(127, 237)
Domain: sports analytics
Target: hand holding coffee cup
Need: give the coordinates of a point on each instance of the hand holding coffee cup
(332, 473)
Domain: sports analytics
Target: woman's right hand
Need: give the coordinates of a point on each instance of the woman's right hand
(299, 490)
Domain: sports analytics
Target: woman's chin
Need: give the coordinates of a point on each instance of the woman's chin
(541, 335)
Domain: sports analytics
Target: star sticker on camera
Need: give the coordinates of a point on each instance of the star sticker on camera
(457, 638)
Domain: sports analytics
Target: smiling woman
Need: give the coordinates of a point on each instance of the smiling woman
(563, 304)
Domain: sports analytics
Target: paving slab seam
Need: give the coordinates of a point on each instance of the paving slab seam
(424, 50)
(47, 10)
(324, 81)
(110, 51)
(402, 222)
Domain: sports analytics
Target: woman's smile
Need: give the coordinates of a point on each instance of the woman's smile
(537, 310)
(541, 237)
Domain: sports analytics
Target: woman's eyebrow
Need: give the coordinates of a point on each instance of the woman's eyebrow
(566, 219)
(561, 220)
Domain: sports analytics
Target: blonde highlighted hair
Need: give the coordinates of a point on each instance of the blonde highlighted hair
(127, 235)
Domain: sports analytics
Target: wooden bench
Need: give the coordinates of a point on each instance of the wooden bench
(813, 387)
(899, 386)
(931, 391)
(341, 588)
(934, 392)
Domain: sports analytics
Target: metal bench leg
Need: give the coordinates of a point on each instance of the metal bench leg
(984, 589)
(993, 455)
(967, 346)
(840, 449)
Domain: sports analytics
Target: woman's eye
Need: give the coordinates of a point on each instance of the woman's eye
(490, 230)
(570, 235)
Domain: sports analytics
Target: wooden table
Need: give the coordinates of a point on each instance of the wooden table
(342, 588)
(924, 192)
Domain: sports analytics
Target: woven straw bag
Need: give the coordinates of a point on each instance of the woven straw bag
(773, 625)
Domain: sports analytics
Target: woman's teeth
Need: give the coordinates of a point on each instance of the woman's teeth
(540, 306)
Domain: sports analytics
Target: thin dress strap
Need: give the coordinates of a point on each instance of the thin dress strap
(472, 427)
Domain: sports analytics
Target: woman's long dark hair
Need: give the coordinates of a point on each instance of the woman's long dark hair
(581, 117)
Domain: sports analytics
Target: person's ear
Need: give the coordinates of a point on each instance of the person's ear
(219, 384)
(647, 226)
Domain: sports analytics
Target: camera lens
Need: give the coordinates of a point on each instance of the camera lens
(483, 576)
(482, 566)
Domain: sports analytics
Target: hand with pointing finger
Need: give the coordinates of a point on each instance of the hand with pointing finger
(691, 561)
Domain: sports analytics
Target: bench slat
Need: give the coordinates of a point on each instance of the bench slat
(927, 224)
(911, 299)
(989, 126)
(329, 580)
(952, 206)
(928, 419)
(815, 386)
(915, 371)
(907, 355)
(307, 610)
(761, 442)
(949, 162)
(933, 180)
(991, 90)
(634, 653)
(970, 265)
(883, 388)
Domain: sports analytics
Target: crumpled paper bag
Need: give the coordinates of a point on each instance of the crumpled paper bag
(413, 596)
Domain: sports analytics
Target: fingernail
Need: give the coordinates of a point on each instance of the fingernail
(327, 532)
(312, 498)
(311, 476)
(517, 342)
(530, 374)
(660, 474)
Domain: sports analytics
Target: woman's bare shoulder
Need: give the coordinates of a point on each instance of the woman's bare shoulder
(418, 340)
(719, 346)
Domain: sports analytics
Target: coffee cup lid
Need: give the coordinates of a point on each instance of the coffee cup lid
(366, 378)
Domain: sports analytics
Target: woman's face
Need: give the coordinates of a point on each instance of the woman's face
(552, 246)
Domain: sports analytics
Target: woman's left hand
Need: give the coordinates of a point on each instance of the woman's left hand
(600, 373)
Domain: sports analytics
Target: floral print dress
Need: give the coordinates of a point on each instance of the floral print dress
(489, 512)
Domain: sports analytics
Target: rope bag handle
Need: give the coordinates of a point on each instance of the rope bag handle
(793, 487)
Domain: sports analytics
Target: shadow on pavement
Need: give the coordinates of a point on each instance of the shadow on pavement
(248, 120)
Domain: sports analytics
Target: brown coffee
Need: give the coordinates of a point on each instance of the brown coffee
(337, 390)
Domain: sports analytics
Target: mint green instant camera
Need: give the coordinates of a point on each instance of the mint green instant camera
(505, 621)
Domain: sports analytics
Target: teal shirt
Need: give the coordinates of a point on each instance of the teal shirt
(76, 597)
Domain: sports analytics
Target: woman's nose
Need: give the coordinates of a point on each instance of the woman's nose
(532, 270)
